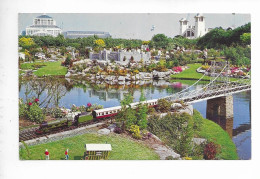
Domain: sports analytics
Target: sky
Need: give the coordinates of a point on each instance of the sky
(133, 25)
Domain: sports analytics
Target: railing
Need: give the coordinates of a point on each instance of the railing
(212, 89)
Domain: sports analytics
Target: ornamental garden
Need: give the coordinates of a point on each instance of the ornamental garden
(49, 67)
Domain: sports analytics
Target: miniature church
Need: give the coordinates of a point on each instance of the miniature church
(192, 32)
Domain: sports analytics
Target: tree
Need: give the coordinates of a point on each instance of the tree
(127, 115)
(142, 110)
(68, 60)
(160, 41)
(60, 40)
(246, 38)
(100, 43)
(176, 130)
(26, 43)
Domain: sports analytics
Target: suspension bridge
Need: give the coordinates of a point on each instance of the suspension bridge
(218, 92)
(220, 85)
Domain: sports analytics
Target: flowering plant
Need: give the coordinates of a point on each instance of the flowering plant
(89, 104)
(177, 69)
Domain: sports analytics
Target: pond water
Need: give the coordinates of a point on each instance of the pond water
(67, 92)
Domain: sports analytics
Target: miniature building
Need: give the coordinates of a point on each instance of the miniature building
(43, 25)
(97, 151)
(82, 34)
(196, 31)
(121, 56)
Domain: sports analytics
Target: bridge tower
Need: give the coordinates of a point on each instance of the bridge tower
(220, 110)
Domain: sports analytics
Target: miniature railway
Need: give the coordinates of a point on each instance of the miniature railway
(30, 133)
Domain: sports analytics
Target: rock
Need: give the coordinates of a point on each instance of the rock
(198, 141)
(176, 105)
(121, 82)
(104, 131)
(121, 78)
(164, 151)
(112, 127)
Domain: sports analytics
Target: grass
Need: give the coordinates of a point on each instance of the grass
(190, 73)
(122, 148)
(213, 132)
(27, 66)
(49, 68)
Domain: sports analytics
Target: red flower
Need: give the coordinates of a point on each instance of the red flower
(89, 104)
(30, 103)
(36, 100)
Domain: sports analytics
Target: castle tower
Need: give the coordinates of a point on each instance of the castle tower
(183, 25)
(199, 25)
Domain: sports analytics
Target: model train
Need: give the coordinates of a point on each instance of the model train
(86, 117)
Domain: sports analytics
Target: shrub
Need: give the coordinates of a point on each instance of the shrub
(210, 151)
(57, 113)
(175, 130)
(151, 110)
(164, 105)
(205, 67)
(22, 109)
(35, 113)
(197, 121)
(67, 61)
(177, 69)
(134, 129)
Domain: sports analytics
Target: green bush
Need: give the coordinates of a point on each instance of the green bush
(134, 129)
(197, 121)
(164, 105)
(35, 113)
(175, 130)
(22, 109)
(57, 113)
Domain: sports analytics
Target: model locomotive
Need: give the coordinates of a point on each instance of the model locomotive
(87, 117)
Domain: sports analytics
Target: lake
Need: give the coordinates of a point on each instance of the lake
(65, 93)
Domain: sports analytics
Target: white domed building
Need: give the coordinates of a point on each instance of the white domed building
(43, 25)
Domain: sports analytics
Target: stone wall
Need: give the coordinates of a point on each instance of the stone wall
(113, 56)
(119, 55)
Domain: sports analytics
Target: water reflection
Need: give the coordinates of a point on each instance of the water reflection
(62, 92)
(65, 92)
(225, 123)
(240, 124)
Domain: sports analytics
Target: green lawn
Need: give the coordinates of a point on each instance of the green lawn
(51, 69)
(48, 68)
(213, 132)
(190, 73)
(122, 148)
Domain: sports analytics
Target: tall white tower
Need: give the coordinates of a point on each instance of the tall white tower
(199, 25)
(183, 25)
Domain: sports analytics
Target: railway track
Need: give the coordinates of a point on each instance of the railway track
(30, 133)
